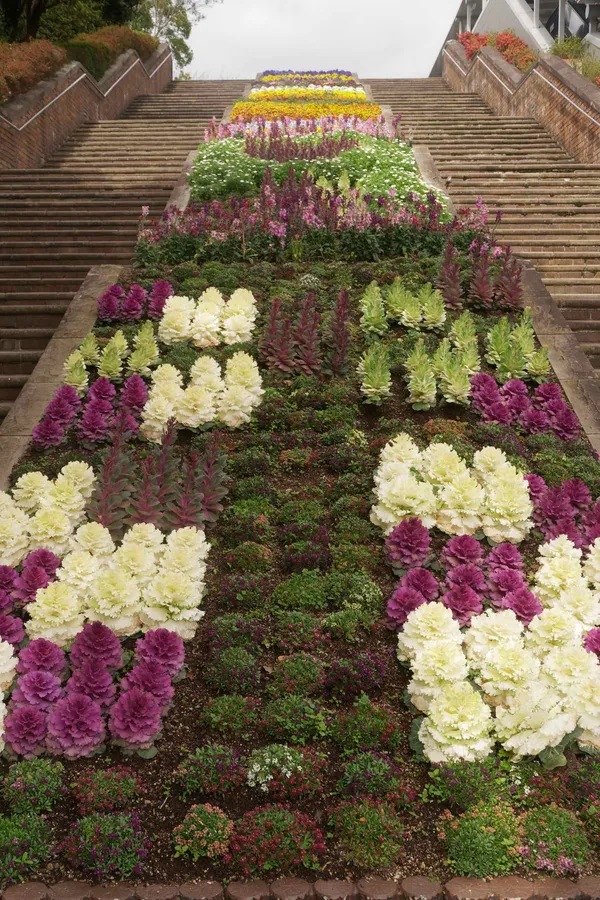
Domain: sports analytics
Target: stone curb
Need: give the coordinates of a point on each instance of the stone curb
(508, 887)
(571, 366)
(430, 173)
(180, 195)
(26, 411)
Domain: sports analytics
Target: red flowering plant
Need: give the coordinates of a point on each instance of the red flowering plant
(512, 48)
(106, 790)
(286, 773)
(275, 837)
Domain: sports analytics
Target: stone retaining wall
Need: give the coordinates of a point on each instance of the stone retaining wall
(33, 125)
(553, 93)
(415, 888)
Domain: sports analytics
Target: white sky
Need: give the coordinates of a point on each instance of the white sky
(377, 38)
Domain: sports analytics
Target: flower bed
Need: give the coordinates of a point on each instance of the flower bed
(310, 541)
(513, 49)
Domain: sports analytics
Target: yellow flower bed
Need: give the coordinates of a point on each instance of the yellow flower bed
(301, 93)
(303, 76)
(247, 110)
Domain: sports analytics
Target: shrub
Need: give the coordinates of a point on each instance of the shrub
(300, 511)
(107, 846)
(23, 847)
(205, 831)
(272, 838)
(24, 65)
(213, 769)
(483, 840)
(512, 48)
(234, 671)
(106, 790)
(347, 678)
(301, 674)
(295, 719)
(373, 774)
(249, 557)
(33, 786)
(346, 623)
(366, 727)
(305, 591)
(370, 833)
(64, 21)
(297, 631)
(554, 840)
(462, 784)
(285, 772)
(99, 50)
(233, 630)
(232, 714)
(243, 591)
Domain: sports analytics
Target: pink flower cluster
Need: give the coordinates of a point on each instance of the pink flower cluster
(511, 405)
(117, 305)
(63, 707)
(98, 415)
(287, 127)
(17, 589)
(471, 581)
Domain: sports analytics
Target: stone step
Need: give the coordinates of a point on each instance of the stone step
(22, 315)
(10, 388)
(563, 285)
(579, 301)
(66, 247)
(25, 338)
(18, 362)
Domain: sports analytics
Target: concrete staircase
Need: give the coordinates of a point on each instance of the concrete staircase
(82, 209)
(550, 204)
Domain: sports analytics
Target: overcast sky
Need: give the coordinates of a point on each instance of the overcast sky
(398, 38)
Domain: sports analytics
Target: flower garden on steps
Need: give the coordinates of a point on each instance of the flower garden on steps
(301, 573)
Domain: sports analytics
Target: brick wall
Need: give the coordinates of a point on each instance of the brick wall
(562, 101)
(35, 124)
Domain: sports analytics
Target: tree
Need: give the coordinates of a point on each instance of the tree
(22, 18)
(171, 21)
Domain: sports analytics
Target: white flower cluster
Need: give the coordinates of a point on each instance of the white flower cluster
(208, 397)
(437, 486)
(148, 582)
(43, 513)
(535, 685)
(8, 667)
(210, 321)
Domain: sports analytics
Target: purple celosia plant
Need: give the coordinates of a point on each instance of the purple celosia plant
(25, 731)
(43, 655)
(523, 603)
(461, 550)
(134, 394)
(161, 290)
(135, 720)
(97, 642)
(102, 389)
(421, 580)
(408, 544)
(12, 630)
(37, 688)
(153, 678)
(467, 574)
(95, 681)
(31, 580)
(75, 727)
(109, 303)
(48, 433)
(162, 646)
(133, 305)
(592, 641)
(463, 602)
(402, 602)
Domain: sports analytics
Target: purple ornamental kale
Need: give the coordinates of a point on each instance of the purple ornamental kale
(469, 575)
(554, 504)
(563, 421)
(158, 297)
(518, 406)
(402, 602)
(463, 602)
(25, 731)
(153, 678)
(93, 425)
(95, 681)
(134, 394)
(108, 304)
(484, 392)
(135, 720)
(7, 602)
(44, 655)
(162, 646)
(504, 556)
(60, 411)
(534, 421)
(133, 305)
(102, 389)
(497, 413)
(577, 493)
(45, 559)
(546, 393)
(30, 581)
(75, 727)
(592, 641)
(408, 543)
(8, 576)
(68, 393)
(566, 527)
(48, 433)
(514, 388)
(37, 688)
(421, 580)
(502, 582)
(523, 603)
(461, 550)
(11, 630)
(96, 642)
(537, 486)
